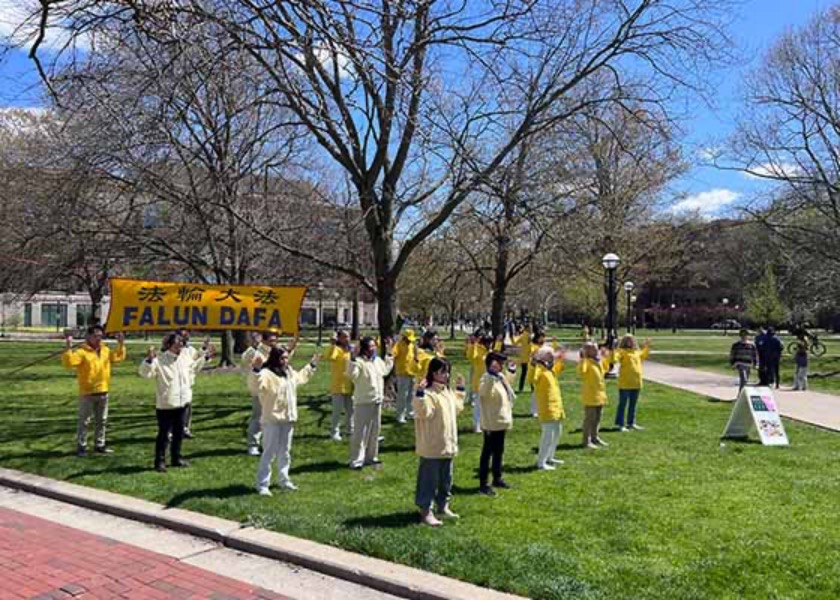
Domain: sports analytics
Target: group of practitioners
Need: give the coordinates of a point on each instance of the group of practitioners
(424, 394)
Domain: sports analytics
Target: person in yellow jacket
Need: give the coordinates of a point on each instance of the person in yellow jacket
(523, 341)
(436, 409)
(275, 382)
(405, 369)
(629, 358)
(92, 362)
(547, 366)
(341, 388)
(478, 346)
(496, 396)
(429, 347)
(537, 342)
(174, 372)
(591, 371)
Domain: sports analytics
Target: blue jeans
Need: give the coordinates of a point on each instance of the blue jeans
(434, 483)
(626, 399)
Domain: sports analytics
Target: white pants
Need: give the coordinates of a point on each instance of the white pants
(533, 404)
(277, 444)
(548, 442)
(405, 390)
(342, 402)
(364, 445)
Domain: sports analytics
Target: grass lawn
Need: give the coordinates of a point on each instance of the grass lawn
(664, 513)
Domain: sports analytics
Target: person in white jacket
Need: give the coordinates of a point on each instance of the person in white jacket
(367, 371)
(275, 383)
(174, 372)
(267, 341)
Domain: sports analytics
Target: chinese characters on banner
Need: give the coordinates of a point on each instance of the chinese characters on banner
(162, 306)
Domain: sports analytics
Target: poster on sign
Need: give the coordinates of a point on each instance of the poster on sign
(756, 407)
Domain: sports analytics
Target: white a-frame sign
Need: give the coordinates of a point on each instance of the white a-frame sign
(756, 406)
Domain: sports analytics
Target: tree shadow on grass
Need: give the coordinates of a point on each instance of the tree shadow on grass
(214, 452)
(391, 521)
(320, 405)
(520, 469)
(320, 467)
(223, 493)
(470, 490)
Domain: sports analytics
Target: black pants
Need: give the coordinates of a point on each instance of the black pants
(773, 369)
(169, 420)
(494, 447)
(523, 376)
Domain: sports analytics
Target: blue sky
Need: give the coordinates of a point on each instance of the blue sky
(755, 25)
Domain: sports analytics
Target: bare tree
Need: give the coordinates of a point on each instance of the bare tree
(373, 84)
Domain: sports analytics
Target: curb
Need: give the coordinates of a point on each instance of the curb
(378, 574)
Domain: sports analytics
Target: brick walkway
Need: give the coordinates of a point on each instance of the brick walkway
(42, 560)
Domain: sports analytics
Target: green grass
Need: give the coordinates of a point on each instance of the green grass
(665, 513)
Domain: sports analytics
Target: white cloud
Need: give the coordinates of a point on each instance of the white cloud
(706, 203)
(772, 170)
(709, 153)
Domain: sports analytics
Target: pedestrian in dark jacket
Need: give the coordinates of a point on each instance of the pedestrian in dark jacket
(743, 356)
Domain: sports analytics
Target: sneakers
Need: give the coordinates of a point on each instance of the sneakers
(447, 513)
(288, 485)
(336, 437)
(160, 468)
(181, 464)
(188, 434)
(380, 439)
(601, 442)
(103, 450)
(486, 490)
(81, 451)
(477, 429)
(637, 427)
(501, 484)
(253, 451)
(546, 467)
(428, 518)
(624, 429)
(401, 421)
(556, 461)
(591, 446)
(264, 491)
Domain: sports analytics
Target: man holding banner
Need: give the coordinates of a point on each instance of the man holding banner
(92, 363)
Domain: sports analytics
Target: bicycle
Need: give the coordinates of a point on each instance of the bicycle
(815, 346)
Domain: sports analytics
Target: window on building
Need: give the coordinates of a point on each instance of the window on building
(308, 316)
(54, 315)
(84, 315)
(27, 314)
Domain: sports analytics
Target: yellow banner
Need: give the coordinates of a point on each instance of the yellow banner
(164, 306)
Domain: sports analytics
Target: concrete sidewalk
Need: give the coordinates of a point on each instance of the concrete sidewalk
(815, 408)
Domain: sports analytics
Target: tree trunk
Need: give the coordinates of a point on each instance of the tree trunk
(354, 330)
(240, 342)
(500, 281)
(386, 296)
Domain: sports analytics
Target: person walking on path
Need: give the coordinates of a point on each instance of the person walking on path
(206, 353)
(800, 359)
(436, 409)
(405, 365)
(771, 357)
(629, 359)
(275, 383)
(174, 372)
(341, 387)
(92, 362)
(268, 341)
(591, 371)
(367, 371)
(744, 357)
(547, 366)
(496, 396)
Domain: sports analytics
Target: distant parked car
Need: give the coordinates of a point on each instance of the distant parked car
(727, 324)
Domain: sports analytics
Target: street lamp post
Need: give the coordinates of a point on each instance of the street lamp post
(320, 312)
(336, 295)
(628, 289)
(610, 263)
(725, 302)
(633, 313)
(673, 322)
